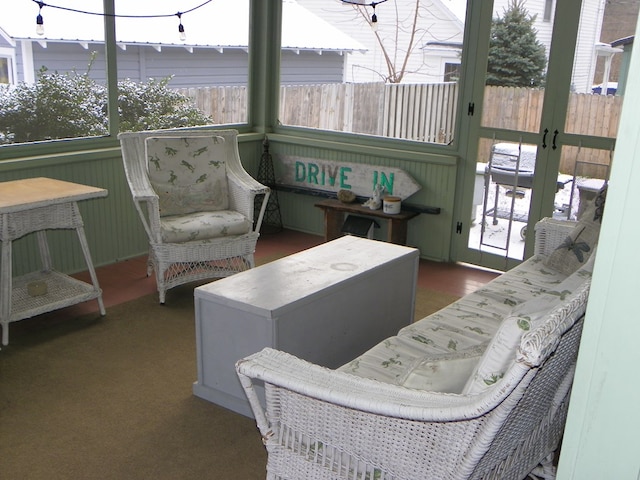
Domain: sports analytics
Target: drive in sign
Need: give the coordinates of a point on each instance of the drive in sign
(332, 176)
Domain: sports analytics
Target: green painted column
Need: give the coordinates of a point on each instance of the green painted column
(264, 64)
(601, 434)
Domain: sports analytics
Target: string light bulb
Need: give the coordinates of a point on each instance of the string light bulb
(40, 21)
(183, 36)
(365, 3)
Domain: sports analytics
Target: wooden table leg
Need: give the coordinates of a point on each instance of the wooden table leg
(333, 221)
(397, 231)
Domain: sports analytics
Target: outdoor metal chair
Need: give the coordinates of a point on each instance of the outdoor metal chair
(196, 203)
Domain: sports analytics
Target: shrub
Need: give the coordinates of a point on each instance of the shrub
(151, 105)
(69, 105)
(57, 106)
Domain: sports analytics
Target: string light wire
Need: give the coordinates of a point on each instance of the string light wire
(40, 21)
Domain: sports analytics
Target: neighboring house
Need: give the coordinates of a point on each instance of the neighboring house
(324, 41)
(7, 58)
(213, 53)
(626, 44)
(619, 23)
(440, 30)
(436, 47)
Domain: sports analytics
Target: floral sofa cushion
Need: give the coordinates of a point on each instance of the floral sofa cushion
(203, 226)
(187, 174)
(460, 332)
(442, 373)
(501, 352)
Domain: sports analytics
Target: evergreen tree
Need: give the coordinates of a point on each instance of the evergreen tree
(516, 57)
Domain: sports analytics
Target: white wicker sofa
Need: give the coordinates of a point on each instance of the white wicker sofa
(479, 389)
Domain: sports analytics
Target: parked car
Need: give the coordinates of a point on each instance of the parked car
(612, 88)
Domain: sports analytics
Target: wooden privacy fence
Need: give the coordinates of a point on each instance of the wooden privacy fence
(222, 104)
(423, 112)
(520, 108)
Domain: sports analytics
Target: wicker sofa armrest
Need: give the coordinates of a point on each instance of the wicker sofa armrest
(322, 423)
(284, 370)
(353, 423)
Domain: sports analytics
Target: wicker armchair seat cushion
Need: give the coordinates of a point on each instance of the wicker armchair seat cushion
(459, 332)
(186, 174)
(203, 226)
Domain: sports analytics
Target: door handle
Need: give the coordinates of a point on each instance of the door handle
(544, 138)
(555, 135)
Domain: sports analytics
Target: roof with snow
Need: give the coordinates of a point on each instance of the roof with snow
(217, 24)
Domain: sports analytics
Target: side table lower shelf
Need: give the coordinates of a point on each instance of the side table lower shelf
(62, 291)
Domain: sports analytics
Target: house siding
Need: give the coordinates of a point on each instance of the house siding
(439, 24)
(436, 22)
(202, 67)
(589, 34)
(4, 42)
(65, 57)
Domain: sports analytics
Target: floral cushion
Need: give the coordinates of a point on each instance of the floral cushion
(203, 226)
(459, 332)
(187, 173)
(501, 352)
(442, 373)
(579, 245)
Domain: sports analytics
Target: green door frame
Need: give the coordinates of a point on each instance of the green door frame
(557, 91)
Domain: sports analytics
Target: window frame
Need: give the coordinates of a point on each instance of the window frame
(110, 58)
(396, 143)
(9, 57)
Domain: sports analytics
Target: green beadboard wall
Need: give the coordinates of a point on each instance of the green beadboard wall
(114, 231)
(112, 225)
(431, 234)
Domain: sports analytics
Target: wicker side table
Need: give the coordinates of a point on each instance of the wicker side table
(36, 205)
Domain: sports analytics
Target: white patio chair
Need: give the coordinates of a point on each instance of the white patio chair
(196, 202)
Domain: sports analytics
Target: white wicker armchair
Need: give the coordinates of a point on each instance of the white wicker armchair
(330, 424)
(196, 202)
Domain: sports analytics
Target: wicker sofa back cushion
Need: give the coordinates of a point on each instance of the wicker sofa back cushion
(187, 173)
(447, 372)
(501, 352)
(418, 356)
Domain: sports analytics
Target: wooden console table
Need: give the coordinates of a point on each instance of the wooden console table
(334, 211)
(35, 205)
